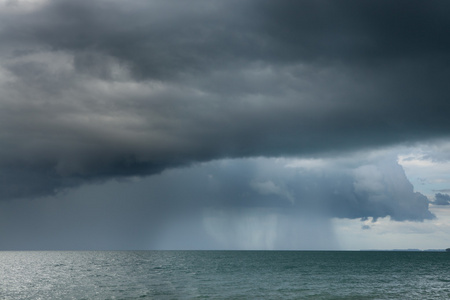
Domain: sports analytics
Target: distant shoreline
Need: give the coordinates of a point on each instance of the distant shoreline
(410, 250)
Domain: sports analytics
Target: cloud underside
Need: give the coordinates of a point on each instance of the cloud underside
(442, 199)
(349, 188)
(93, 90)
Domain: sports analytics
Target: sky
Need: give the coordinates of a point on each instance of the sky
(212, 124)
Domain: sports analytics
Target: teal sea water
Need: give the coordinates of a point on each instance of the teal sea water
(224, 275)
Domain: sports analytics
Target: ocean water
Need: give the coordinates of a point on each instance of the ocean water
(224, 275)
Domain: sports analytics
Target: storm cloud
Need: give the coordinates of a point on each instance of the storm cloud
(95, 90)
(442, 199)
(257, 203)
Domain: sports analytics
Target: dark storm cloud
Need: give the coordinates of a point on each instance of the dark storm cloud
(441, 199)
(99, 89)
(364, 188)
(254, 203)
(368, 32)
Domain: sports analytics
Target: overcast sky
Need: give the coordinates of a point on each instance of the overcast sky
(209, 124)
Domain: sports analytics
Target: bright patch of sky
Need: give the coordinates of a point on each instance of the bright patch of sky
(427, 175)
(430, 174)
(385, 234)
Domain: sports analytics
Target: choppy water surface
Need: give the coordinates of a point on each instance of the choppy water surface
(224, 275)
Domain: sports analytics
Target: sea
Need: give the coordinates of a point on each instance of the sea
(224, 275)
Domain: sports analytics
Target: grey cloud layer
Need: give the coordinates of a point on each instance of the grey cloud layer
(442, 199)
(226, 204)
(99, 89)
(351, 188)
